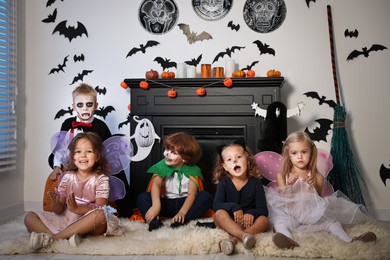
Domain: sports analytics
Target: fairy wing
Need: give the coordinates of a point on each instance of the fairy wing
(324, 165)
(117, 188)
(59, 143)
(118, 151)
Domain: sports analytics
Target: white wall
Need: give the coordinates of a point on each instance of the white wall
(302, 54)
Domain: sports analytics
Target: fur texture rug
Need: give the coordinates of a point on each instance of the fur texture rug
(193, 240)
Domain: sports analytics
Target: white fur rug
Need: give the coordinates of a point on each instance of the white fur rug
(193, 240)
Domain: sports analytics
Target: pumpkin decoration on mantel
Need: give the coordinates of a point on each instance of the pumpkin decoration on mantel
(274, 73)
(172, 93)
(228, 82)
(238, 74)
(200, 92)
(168, 74)
(151, 74)
(144, 85)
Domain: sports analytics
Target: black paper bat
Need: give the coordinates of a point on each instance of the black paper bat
(308, 2)
(50, 2)
(320, 132)
(321, 100)
(63, 112)
(165, 63)
(384, 173)
(232, 26)
(125, 122)
(78, 58)
(365, 52)
(70, 32)
(194, 62)
(228, 52)
(351, 34)
(142, 48)
(193, 37)
(249, 67)
(103, 111)
(263, 48)
(60, 66)
(101, 91)
(51, 18)
(80, 76)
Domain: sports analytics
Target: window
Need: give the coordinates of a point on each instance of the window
(7, 85)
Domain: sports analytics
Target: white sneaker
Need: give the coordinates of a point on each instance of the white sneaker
(39, 240)
(74, 240)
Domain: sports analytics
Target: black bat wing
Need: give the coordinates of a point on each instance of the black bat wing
(78, 58)
(125, 122)
(384, 174)
(185, 28)
(234, 48)
(80, 76)
(220, 55)
(103, 111)
(308, 2)
(51, 18)
(377, 47)
(194, 62)
(60, 66)
(312, 94)
(249, 67)
(165, 63)
(70, 32)
(320, 133)
(354, 54)
(50, 2)
(63, 112)
(330, 102)
(133, 51)
(264, 48)
(151, 44)
(101, 91)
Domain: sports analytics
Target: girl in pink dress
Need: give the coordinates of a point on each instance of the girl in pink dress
(80, 203)
(297, 204)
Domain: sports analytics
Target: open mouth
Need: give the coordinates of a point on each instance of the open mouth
(237, 168)
(85, 115)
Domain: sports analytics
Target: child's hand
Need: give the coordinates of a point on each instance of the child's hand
(238, 216)
(310, 180)
(54, 196)
(151, 214)
(292, 179)
(179, 217)
(71, 203)
(248, 220)
(55, 172)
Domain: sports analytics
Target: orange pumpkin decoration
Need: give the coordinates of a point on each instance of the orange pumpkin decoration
(200, 92)
(228, 82)
(124, 85)
(168, 74)
(129, 107)
(151, 74)
(274, 73)
(238, 74)
(250, 73)
(172, 93)
(144, 85)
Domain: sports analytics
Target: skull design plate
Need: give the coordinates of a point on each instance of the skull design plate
(212, 10)
(264, 16)
(158, 16)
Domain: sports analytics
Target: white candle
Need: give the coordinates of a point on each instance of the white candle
(191, 72)
(230, 66)
(181, 70)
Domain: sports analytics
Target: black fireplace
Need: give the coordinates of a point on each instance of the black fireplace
(221, 116)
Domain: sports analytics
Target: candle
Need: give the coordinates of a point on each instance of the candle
(230, 67)
(181, 70)
(191, 72)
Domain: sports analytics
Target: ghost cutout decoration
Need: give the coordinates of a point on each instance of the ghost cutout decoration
(144, 136)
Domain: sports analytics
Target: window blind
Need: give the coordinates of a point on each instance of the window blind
(8, 144)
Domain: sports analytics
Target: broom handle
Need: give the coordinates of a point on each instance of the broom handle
(333, 59)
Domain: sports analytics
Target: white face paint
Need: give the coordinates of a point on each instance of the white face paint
(84, 105)
(172, 158)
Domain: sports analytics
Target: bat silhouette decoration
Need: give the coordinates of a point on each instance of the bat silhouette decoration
(78, 58)
(193, 37)
(165, 63)
(384, 173)
(63, 112)
(232, 26)
(321, 100)
(70, 32)
(365, 51)
(194, 62)
(249, 67)
(51, 18)
(350, 34)
(320, 133)
(125, 122)
(103, 111)
(142, 48)
(101, 91)
(80, 76)
(50, 2)
(228, 52)
(264, 48)
(308, 2)
(60, 66)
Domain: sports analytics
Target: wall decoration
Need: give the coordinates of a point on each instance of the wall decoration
(350, 34)
(384, 174)
(365, 51)
(60, 66)
(70, 32)
(211, 10)
(308, 2)
(63, 112)
(249, 67)
(80, 76)
(228, 52)
(142, 48)
(193, 37)
(77, 58)
(264, 16)
(321, 100)
(101, 91)
(233, 26)
(128, 120)
(103, 111)
(51, 18)
(50, 2)
(157, 16)
(194, 62)
(165, 63)
(264, 48)
(320, 133)
(296, 111)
